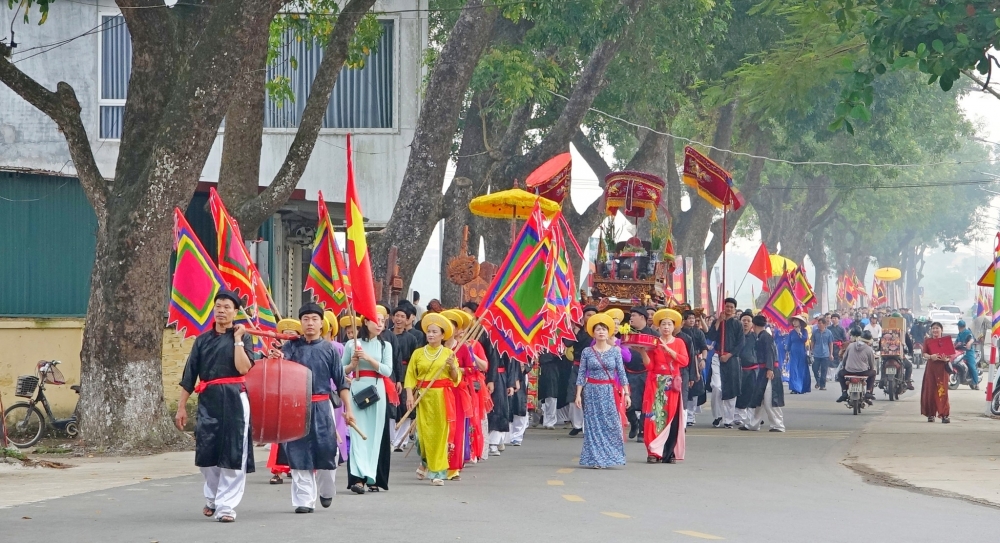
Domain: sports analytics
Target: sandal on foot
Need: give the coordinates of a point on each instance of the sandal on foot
(276, 480)
(652, 460)
(455, 478)
(437, 482)
(208, 511)
(227, 518)
(372, 488)
(358, 488)
(421, 473)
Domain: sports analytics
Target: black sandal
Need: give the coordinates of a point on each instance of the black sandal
(358, 488)
(227, 518)
(276, 480)
(372, 488)
(208, 511)
(652, 460)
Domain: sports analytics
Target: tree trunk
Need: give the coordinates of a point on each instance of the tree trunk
(418, 207)
(817, 254)
(184, 63)
(239, 174)
(456, 217)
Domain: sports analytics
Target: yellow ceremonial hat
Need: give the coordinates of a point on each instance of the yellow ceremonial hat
(289, 325)
(382, 310)
(600, 318)
(439, 320)
(330, 325)
(345, 321)
(616, 314)
(671, 314)
(458, 317)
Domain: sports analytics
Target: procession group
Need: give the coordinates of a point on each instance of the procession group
(432, 383)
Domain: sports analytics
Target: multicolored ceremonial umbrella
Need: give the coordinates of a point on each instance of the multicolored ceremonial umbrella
(633, 193)
(195, 283)
(551, 180)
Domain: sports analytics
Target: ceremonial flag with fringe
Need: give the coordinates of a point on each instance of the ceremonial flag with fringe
(712, 182)
(562, 307)
(240, 273)
(782, 305)
(879, 297)
(514, 310)
(996, 289)
(195, 283)
(803, 290)
(359, 263)
(326, 268)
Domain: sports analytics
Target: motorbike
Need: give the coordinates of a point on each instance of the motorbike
(856, 387)
(893, 381)
(995, 401)
(918, 355)
(960, 372)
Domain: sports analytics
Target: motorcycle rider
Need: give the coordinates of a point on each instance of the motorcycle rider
(919, 330)
(963, 344)
(859, 361)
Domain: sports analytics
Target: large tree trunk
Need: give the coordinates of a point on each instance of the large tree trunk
(456, 217)
(184, 62)
(418, 207)
(239, 172)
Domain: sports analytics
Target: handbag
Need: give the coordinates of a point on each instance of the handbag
(366, 397)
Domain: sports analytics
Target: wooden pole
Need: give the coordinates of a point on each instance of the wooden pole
(477, 328)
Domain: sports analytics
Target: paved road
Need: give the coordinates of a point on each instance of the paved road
(737, 486)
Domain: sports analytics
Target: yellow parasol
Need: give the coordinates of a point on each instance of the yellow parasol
(888, 274)
(780, 265)
(513, 203)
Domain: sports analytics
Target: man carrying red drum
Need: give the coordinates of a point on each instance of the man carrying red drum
(219, 359)
(313, 458)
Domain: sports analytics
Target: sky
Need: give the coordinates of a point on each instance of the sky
(961, 267)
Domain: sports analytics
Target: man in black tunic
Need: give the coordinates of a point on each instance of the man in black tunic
(635, 371)
(219, 359)
(750, 368)
(769, 396)
(406, 343)
(725, 365)
(313, 458)
(696, 395)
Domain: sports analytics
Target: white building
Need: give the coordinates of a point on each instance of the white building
(87, 45)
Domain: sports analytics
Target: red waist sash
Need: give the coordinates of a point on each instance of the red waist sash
(201, 386)
(501, 370)
(601, 381)
(320, 397)
(754, 367)
(390, 387)
(441, 383)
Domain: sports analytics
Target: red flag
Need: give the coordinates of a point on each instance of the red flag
(712, 182)
(358, 262)
(761, 266)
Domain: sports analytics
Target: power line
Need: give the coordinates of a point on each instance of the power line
(767, 158)
(880, 186)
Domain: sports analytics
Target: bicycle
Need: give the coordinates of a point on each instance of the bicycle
(24, 422)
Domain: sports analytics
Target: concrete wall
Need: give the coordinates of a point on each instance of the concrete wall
(26, 341)
(29, 140)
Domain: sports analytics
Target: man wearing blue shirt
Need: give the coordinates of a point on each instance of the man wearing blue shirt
(822, 351)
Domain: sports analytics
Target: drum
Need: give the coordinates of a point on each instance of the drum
(280, 394)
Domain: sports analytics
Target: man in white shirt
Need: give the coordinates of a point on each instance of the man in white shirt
(875, 328)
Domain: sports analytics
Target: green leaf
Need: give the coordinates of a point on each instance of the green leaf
(963, 39)
(938, 46)
(922, 48)
(860, 113)
(849, 127)
(836, 125)
(880, 68)
(946, 83)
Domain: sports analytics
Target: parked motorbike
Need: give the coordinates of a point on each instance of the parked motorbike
(893, 381)
(856, 387)
(960, 372)
(995, 402)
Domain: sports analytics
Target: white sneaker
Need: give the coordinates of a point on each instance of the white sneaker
(494, 451)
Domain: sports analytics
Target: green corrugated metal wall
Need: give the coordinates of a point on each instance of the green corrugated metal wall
(47, 236)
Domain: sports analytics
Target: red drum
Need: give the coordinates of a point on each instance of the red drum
(639, 341)
(280, 394)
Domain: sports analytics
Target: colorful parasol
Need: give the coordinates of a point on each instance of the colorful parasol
(513, 203)
(551, 180)
(633, 193)
(780, 264)
(888, 274)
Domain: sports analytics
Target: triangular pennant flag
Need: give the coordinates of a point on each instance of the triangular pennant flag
(761, 266)
(326, 271)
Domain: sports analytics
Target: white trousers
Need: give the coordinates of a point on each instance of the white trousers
(398, 437)
(724, 409)
(691, 407)
(224, 487)
(496, 438)
(562, 415)
(769, 411)
(307, 485)
(549, 412)
(517, 428)
(575, 416)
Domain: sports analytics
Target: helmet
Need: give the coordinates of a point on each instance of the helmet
(896, 314)
(865, 322)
